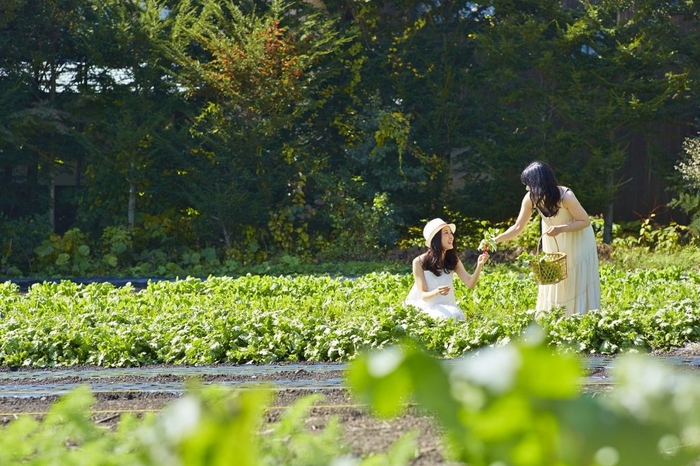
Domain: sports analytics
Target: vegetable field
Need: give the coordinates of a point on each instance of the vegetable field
(511, 401)
(262, 319)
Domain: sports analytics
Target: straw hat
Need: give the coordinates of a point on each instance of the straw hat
(433, 227)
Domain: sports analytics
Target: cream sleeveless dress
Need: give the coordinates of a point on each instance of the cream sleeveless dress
(440, 306)
(580, 291)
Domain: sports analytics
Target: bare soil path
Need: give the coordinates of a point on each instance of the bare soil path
(363, 433)
(118, 393)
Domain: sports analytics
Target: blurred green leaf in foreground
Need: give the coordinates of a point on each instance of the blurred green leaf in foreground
(521, 404)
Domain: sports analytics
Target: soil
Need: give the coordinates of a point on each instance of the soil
(363, 433)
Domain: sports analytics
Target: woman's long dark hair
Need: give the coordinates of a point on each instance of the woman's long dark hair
(544, 187)
(433, 260)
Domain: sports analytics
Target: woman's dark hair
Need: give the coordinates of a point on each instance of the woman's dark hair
(433, 260)
(544, 188)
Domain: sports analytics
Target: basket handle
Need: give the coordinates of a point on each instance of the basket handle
(540, 241)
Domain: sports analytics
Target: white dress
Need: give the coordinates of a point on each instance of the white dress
(440, 306)
(579, 292)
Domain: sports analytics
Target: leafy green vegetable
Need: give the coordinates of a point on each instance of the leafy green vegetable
(307, 318)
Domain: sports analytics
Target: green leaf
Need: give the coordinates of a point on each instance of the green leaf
(110, 259)
(381, 379)
(548, 374)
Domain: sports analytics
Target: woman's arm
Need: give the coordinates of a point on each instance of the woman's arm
(419, 277)
(580, 217)
(470, 280)
(520, 222)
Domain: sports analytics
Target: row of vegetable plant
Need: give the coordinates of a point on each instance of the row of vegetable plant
(262, 319)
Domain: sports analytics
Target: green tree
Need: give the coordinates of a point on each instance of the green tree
(135, 116)
(410, 105)
(570, 86)
(40, 54)
(252, 69)
(688, 197)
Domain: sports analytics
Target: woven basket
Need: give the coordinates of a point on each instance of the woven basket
(551, 268)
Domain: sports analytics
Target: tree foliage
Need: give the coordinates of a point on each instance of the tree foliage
(325, 129)
(570, 86)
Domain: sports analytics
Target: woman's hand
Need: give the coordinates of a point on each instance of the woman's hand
(443, 290)
(483, 257)
(554, 230)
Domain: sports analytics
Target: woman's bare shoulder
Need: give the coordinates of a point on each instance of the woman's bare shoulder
(419, 259)
(567, 192)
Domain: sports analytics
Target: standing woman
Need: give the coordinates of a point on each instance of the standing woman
(433, 290)
(564, 218)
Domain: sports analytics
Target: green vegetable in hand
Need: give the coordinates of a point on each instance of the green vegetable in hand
(487, 244)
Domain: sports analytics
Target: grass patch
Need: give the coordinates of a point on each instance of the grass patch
(686, 258)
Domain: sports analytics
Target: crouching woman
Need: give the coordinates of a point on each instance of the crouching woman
(434, 271)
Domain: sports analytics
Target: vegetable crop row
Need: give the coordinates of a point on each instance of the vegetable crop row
(262, 319)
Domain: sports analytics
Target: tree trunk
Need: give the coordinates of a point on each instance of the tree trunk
(227, 236)
(608, 217)
(131, 215)
(52, 199)
(7, 209)
(52, 155)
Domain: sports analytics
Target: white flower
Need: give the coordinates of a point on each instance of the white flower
(690, 166)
